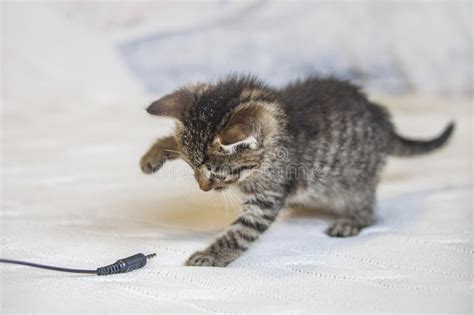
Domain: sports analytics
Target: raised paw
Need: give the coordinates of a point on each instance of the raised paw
(149, 165)
(343, 228)
(203, 259)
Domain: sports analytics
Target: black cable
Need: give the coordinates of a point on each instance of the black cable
(120, 266)
(30, 264)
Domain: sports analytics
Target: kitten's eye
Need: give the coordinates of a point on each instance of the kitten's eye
(218, 177)
(239, 169)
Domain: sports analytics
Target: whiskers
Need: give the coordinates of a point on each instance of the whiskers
(232, 201)
(226, 200)
(172, 153)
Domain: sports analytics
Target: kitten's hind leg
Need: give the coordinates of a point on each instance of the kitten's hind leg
(350, 225)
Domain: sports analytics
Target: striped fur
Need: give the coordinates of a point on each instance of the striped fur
(317, 143)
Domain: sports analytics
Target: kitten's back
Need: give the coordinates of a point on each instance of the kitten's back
(311, 103)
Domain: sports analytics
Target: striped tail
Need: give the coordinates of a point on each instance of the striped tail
(410, 147)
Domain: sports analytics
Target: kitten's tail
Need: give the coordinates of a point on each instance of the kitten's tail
(409, 147)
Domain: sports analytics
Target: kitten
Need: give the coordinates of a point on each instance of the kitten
(317, 143)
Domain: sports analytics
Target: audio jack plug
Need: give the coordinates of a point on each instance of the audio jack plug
(123, 265)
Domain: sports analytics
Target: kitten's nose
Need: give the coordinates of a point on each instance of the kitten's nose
(204, 184)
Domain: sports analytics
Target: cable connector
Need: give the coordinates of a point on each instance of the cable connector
(125, 265)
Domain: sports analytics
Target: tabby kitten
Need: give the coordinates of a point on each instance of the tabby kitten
(317, 143)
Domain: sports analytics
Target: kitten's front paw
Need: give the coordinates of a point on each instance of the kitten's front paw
(203, 259)
(149, 164)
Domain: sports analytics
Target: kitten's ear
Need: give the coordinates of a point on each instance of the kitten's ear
(172, 105)
(240, 130)
(236, 135)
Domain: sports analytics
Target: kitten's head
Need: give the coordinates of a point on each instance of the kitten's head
(223, 130)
